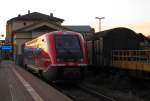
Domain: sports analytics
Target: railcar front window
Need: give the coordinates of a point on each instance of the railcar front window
(68, 47)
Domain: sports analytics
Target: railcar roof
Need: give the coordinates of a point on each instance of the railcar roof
(63, 32)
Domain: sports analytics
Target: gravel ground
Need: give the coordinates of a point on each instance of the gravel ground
(122, 87)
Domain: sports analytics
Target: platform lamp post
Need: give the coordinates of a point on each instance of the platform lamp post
(100, 18)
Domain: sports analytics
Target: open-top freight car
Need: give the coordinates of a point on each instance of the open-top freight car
(119, 49)
(102, 43)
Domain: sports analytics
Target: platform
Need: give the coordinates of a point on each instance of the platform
(16, 84)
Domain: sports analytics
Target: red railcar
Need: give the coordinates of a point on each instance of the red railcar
(57, 54)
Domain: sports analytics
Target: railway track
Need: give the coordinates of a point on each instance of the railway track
(83, 93)
(96, 92)
(80, 92)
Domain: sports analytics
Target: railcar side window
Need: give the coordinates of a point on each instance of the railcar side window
(37, 52)
(28, 52)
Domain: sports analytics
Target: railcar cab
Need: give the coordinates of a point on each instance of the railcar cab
(56, 52)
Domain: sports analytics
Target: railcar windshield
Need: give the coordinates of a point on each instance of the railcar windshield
(68, 47)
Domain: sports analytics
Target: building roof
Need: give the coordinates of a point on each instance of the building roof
(80, 28)
(49, 25)
(36, 16)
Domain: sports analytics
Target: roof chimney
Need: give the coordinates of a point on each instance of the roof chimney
(28, 11)
(19, 15)
(51, 14)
